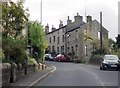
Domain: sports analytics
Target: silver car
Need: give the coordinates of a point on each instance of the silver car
(49, 57)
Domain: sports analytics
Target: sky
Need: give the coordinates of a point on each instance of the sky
(55, 10)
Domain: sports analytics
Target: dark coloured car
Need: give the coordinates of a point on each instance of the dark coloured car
(110, 62)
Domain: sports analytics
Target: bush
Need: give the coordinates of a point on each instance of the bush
(95, 59)
(2, 57)
(14, 49)
(32, 61)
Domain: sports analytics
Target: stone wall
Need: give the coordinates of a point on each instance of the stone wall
(6, 68)
(13, 72)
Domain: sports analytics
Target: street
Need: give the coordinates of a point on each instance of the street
(75, 74)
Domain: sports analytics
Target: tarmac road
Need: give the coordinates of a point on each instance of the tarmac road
(76, 74)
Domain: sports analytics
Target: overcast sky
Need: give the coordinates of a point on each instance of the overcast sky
(56, 10)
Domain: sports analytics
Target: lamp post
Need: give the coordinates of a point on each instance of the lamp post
(41, 12)
(41, 31)
(100, 32)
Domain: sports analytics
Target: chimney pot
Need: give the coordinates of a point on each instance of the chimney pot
(89, 19)
(69, 21)
(61, 24)
(47, 28)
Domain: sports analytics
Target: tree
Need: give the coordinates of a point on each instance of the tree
(95, 42)
(37, 38)
(112, 45)
(14, 20)
(14, 49)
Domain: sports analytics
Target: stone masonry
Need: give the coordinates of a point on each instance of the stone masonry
(69, 39)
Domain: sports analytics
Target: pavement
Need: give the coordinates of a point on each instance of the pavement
(32, 78)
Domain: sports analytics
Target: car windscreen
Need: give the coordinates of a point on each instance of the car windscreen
(111, 58)
(48, 55)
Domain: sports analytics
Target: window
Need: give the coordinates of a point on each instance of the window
(58, 40)
(63, 38)
(57, 49)
(62, 49)
(49, 48)
(68, 49)
(50, 40)
(68, 37)
(53, 49)
(98, 35)
(76, 32)
(72, 49)
(76, 48)
(54, 38)
(86, 50)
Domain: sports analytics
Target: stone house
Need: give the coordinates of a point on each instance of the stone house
(70, 38)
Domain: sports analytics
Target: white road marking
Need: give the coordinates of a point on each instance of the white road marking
(96, 77)
(54, 68)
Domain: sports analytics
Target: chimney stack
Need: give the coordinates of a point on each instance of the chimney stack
(89, 19)
(53, 28)
(47, 28)
(69, 21)
(78, 18)
(61, 24)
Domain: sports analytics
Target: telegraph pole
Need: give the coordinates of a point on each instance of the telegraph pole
(41, 13)
(41, 30)
(101, 32)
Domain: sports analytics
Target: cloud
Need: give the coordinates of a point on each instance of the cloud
(55, 10)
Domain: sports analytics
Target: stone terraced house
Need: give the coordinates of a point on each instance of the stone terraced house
(70, 38)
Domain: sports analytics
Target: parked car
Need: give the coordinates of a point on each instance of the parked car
(110, 62)
(49, 57)
(61, 58)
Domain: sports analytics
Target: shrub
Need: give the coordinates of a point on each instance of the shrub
(95, 59)
(32, 61)
(14, 50)
(2, 57)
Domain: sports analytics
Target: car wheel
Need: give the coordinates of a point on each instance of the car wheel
(100, 68)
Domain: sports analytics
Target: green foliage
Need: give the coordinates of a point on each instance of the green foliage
(37, 38)
(95, 58)
(96, 44)
(112, 44)
(14, 49)
(32, 61)
(2, 57)
(118, 41)
(14, 18)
